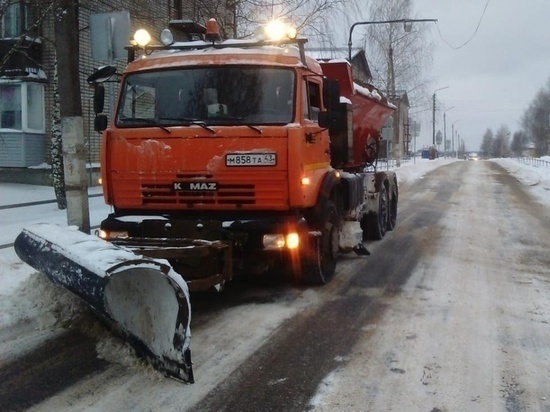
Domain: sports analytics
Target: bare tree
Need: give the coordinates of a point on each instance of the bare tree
(501, 142)
(399, 59)
(486, 147)
(519, 142)
(536, 121)
(58, 175)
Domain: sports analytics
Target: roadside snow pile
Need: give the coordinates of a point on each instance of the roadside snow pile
(52, 307)
(412, 171)
(38, 298)
(538, 178)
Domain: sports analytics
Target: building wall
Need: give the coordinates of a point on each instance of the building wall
(21, 149)
(152, 15)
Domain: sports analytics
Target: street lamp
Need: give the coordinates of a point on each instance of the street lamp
(433, 113)
(407, 26)
(445, 130)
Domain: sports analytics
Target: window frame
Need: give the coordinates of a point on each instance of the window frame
(17, 24)
(23, 89)
(308, 112)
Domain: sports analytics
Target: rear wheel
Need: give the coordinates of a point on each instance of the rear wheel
(392, 211)
(320, 255)
(374, 225)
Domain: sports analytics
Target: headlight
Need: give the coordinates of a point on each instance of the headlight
(292, 241)
(280, 241)
(115, 234)
(271, 242)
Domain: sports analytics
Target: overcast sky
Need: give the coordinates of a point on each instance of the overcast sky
(492, 79)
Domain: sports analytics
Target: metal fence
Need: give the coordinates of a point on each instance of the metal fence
(533, 161)
(387, 164)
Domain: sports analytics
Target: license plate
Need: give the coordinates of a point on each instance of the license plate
(251, 159)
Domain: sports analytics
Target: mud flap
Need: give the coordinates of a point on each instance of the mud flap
(143, 299)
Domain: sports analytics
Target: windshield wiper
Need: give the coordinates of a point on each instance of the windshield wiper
(149, 122)
(190, 122)
(241, 119)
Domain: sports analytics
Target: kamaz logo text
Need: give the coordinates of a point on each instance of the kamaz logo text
(195, 186)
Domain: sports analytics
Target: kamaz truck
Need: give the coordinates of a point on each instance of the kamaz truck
(222, 158)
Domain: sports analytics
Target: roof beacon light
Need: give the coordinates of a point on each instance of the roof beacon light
(277, 30)
(291, 32)
(142, 37)
(212, 31)
(166, 37)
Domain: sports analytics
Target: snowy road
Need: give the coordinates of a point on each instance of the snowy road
(450, 312)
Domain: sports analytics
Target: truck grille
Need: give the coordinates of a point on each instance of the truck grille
(256, 190)
(226, 194)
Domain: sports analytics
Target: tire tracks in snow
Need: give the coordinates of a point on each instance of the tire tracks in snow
(53, 366)
(285, 373)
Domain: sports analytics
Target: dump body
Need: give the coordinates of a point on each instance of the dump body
(369, 112)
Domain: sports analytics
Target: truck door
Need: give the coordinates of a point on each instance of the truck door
(317, 141)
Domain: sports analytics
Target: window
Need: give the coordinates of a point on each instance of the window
(35, 107)
(13, 22)
(312, 100)
(22, 107)
(10, 107)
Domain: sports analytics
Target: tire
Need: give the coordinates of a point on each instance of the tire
(392, 210)
(320, 254)
(374, 225)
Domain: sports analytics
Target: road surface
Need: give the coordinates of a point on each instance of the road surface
(451, 312)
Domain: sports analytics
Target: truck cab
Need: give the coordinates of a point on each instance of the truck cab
(218, 159)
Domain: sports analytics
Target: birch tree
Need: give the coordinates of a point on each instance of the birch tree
(536, 121)
(487, 143)
(519, 143)
(501, 142)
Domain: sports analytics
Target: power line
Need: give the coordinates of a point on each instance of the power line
(471, 37)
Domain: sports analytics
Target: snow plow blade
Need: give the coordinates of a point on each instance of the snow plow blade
(143, 299)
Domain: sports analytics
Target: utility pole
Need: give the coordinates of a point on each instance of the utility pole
(433, 120)
(433, 113)
(445, 130)
(72, 127)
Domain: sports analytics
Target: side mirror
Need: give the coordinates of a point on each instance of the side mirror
(99, 98)
(102, 75)
(100, 123)
(324, 119)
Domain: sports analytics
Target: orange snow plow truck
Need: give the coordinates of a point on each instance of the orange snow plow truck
(223, 158)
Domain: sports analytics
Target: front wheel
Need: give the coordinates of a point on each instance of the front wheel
(320, 254)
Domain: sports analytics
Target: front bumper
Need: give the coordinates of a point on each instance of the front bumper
(204, 252)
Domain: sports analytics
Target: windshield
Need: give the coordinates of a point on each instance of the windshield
(219, 95)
